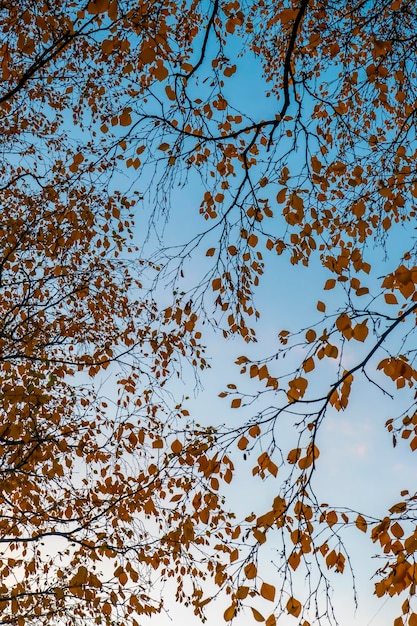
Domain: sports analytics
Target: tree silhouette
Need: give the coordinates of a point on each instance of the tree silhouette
(107, 482)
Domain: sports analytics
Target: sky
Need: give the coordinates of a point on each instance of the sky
(358, 467)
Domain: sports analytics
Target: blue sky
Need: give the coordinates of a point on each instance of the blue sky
(358, 467)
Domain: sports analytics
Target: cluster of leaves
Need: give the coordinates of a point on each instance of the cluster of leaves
(105, 484)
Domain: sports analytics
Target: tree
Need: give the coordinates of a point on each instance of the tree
(103, 103)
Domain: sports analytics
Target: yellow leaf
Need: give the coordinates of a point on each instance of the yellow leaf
(163, 147)
(259, 536)
(252, 240)
(270, 621)
(216, 284)
(236, 402)
(305, 462)
(210, 252)
(268, 592)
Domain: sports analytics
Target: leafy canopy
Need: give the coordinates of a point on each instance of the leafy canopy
(106, 482)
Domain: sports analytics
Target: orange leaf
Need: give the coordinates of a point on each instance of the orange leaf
(229, 613)
(97, 6)
(254, 431)
(281, 196)
(242, 593)
(390, 298)
(294, 560)
(311, 335)
(397, 530)
(242, 444)
(250, 570)
(294, 455)
(331, 518)
(330, 283)
(160, 71)
(272, 468)
(360, 332)
(294, 607)
(361, 523)
(229, 71)
(258, 616)
(268, 592)
(176, 446)
(308, 365)
(125, 118)
(170, 92)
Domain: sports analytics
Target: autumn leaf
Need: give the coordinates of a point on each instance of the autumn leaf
(258, 616)
(268, 592)
(229, 613)
(293, 607)
(250, 570)
(361, 523)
